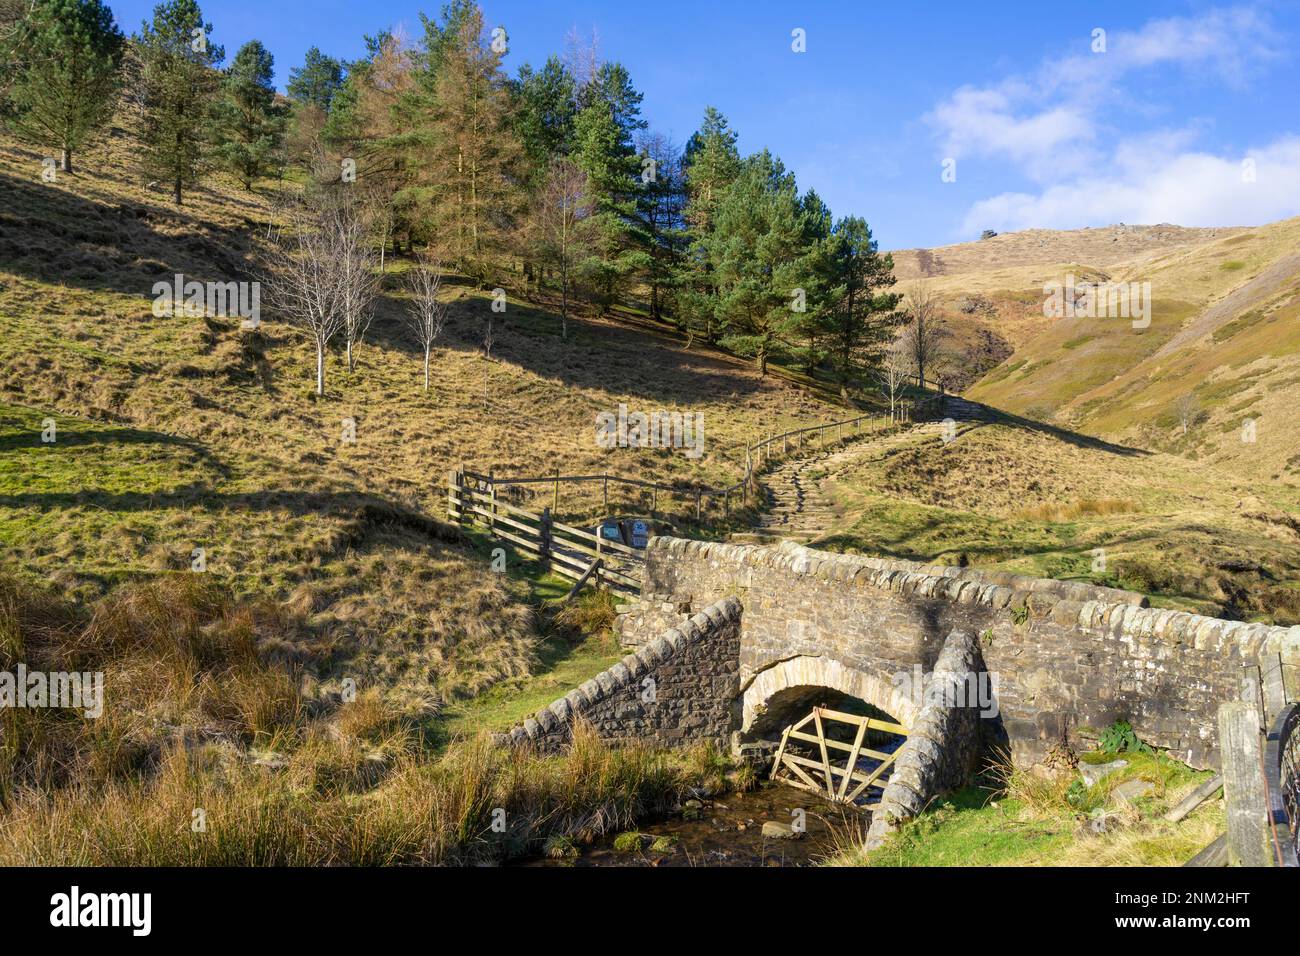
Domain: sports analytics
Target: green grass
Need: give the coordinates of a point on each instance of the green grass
(1011, 497)
(561, 668)
(1030, 821)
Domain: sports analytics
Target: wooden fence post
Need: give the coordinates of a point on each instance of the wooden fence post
(1244, 791)
(544, 532)
(455, 483)
(1252, 693)
(698, 506)
(555, 500)
(492, 493)
(607, 495)
(1273, 684)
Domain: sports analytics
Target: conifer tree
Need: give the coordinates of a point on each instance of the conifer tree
(820, 289)
(758, 251)
(617, 248)
(68, 82)
(464, 149)
(711, 163)
(179, 77)
(660, 204)
(316, 81)
(546, 110)
(248, 125)
(863, 320)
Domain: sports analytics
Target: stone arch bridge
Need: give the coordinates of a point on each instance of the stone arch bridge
(728, 636)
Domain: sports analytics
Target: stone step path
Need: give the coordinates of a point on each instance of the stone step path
(798, 507)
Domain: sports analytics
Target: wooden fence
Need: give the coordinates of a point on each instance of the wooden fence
(577, 554)
(700, 498)
(583, 555)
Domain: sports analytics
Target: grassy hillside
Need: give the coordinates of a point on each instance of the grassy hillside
(176, 433)
(1224, 331)
(1020, 496)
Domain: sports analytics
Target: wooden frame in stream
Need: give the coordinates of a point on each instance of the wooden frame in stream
(864, 766)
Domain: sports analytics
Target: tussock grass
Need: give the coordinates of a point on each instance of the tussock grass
(422, 812)
(1078, 509)
(1011, 497)
(211, 751)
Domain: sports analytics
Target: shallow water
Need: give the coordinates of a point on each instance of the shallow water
(728, 832)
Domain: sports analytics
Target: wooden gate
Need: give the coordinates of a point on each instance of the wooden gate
(793, 769)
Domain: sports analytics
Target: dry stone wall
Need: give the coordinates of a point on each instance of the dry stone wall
(1068, 658)
(678, 689)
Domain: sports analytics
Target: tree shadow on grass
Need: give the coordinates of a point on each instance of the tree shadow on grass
(27, 437)
(598, 354)
(53, 235)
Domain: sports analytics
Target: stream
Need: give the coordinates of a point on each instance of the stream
(728, 831)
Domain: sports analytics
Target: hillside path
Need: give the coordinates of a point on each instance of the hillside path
(800, 509)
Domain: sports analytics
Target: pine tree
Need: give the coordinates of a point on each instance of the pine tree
(659, 210)
(316, 81)
(179, 80)
(469, 156)
(13, 38)
(67, 88)
(711, 163)
(612, 85)
(247, 123)
(612, 168)
(863, 321)
(758, 251)
(820, 289)
(546, 109)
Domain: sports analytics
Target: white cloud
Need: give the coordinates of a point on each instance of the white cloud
(1055, 128)
(1032, 120)
(1187, 188)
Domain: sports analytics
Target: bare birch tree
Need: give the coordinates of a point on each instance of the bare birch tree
(359, 277)
(305, 284)
(559, 224)
(1188, 410)
(426, 315)
(923, 337)
(892, 374)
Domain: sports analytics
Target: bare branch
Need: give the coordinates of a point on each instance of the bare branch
(427, 314)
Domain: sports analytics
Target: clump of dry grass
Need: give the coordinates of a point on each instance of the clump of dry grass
(208, 752)
(423, 811)
(592, 613)
(180, 664)
(1059, 511)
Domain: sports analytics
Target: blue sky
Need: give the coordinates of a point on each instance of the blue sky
(1190, 115)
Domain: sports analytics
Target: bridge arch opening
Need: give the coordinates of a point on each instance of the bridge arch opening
(789, 689)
